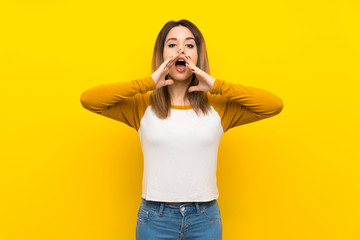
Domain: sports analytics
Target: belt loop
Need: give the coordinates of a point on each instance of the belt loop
(161, 208)
(197, 208)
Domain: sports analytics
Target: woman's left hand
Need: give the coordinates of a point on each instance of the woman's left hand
(206, 82)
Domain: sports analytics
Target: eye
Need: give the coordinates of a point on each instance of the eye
(190, 45)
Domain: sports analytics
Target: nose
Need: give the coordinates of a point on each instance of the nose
(182, 50)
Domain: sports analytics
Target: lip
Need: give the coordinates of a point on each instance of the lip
(181, 58)
(179, 70)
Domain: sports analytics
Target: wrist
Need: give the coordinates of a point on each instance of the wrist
(151, 82)
(212, 82)
(216, 86)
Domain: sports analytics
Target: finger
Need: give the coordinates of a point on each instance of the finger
(193, 89)
(174, 58)
(169, 82)
(189, 62)
(191, 65)
(170, 59)
(188, 58)
(167, 64)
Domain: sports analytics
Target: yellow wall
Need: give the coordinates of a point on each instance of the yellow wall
(67, 173)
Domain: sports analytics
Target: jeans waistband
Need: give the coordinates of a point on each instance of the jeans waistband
(159, 206)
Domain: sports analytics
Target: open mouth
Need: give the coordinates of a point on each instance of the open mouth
(180, 65)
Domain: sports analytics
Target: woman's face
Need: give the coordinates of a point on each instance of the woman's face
(180, 37)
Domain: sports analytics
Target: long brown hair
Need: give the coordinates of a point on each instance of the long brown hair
(160, 98)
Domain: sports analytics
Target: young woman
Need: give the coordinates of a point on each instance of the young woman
(180, 112)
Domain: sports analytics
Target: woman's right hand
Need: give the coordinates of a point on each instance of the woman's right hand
(159, 75)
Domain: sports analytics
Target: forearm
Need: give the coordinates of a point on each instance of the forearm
(98, 98)
(255, 99)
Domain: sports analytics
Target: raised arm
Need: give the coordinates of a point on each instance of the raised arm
(102, 97)
(238, 104)
(119, 100)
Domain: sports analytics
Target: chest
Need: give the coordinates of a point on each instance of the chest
(183, 126)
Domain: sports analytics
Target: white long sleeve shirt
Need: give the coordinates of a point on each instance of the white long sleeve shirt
(180, 152)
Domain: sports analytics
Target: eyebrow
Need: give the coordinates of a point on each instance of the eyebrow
(185, 38)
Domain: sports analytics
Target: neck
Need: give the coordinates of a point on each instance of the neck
(177, 91)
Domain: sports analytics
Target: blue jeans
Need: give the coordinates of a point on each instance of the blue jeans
(183, 221)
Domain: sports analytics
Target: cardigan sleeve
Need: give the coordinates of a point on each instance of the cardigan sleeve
(237, 104)
(123, 101)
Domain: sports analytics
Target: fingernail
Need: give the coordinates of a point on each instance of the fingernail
(193, 69)
(189, 57)
(186, 57)
(187, 63)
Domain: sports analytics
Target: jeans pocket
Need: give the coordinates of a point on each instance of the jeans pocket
(212, 213)
(146, 214)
